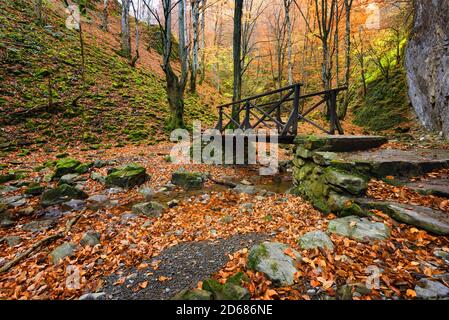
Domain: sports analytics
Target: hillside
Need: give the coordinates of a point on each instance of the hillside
(120, 105)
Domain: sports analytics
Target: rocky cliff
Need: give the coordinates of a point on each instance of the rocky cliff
(427, 63)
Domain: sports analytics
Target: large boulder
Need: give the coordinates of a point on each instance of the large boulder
(188, 180)
(127, 177)
(427, 64)
(271, 258)
(360, 229)
(61, 194)
(316, 239)
(428, 289)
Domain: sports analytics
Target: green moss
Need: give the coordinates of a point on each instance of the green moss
(255, 255)
(386, 105)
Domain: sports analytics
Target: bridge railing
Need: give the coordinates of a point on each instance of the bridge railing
(282, 114)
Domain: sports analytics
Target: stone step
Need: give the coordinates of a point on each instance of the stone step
(435, 187)
(332, 143)
(386, 162)
(433, 221)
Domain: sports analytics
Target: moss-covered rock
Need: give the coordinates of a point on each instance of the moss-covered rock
(35, 190)
(65, 166)
(228, 291)
(193, 295)
(61, 194)
(7, 177)
(354, 184)
(188, 180)
(127, 177)
(270, 258)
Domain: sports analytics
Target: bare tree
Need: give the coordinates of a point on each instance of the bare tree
(344, 106)
(288, 22)
(105, 17)
(203, 41)
(136, 10)
(38, 10)
(195, 5)
(125, 30)
(237, 57)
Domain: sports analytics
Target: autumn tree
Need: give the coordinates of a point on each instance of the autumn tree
(125, 34)
(237, 57)
(175, 85)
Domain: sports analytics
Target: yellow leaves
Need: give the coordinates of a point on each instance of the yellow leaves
(411, 293)
(289, 252)
(143, 285)
(326, 284)
(428, 272)
(269, 294)
(163, 279)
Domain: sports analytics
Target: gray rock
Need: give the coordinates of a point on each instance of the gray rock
(147, 193)
(61, 194)
(245, 189)
(269, 258)
(13, 241)
(90, 238)
(74, 205)
(15, 201)
(98, 201)
(149, 209)
(66, 249)
(442, 255)
(70, 179)
(26, 212)
(98, 177)
(316, 239)
(360, 229)
(39, 225)
(93, 296)
(428, 289)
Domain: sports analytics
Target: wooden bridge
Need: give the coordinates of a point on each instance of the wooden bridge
(281, 110)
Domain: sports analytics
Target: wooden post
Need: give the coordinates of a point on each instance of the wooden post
(335, 123)
(246, 122)
(295, 112)
(220, 120)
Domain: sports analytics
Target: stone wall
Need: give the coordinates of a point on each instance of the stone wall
(427, 64)
(330, 184)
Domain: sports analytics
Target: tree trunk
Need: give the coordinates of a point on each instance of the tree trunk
(203, 42)
(194, 67)
(344, 106)
(183, 53)
(237, 46)
(175, 94)
(104, 23)
(38, 10)
(288, 22)
(125, 30)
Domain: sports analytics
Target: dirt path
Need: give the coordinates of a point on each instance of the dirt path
(184, 265)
